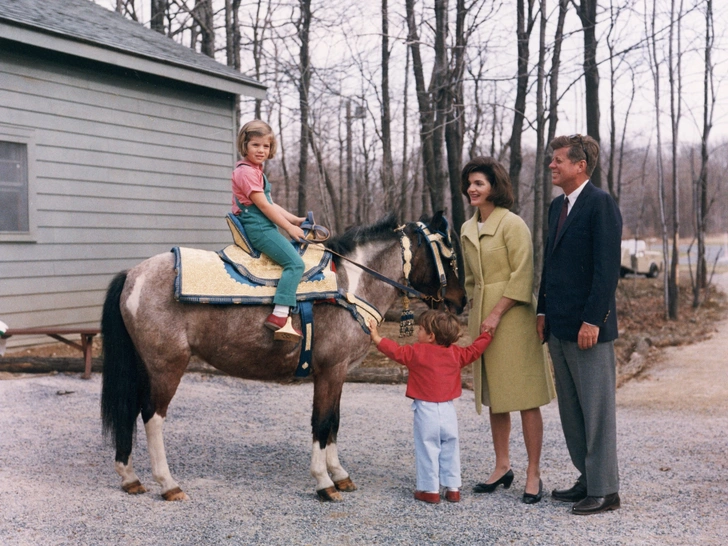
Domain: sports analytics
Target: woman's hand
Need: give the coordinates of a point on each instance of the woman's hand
(490, 324)
(493, 319)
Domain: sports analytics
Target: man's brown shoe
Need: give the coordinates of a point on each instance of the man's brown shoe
(575, 493)
(596, 505)
(424, 496)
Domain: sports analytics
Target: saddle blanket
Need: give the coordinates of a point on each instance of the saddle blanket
(231, 276)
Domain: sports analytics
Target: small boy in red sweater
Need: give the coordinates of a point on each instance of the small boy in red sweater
(434, 365)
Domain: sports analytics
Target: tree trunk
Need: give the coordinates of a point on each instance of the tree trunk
(588, 15)
(304, 84)
(439, 91)
(675, 79)
(553, 117)
(404, 182)
(655, 69)
(538, 185)
(158, 13)
(387, 162)
(701, 276)
(426, 114)
(524, 27)
(331, 190)
(455, 128)
(204, 18)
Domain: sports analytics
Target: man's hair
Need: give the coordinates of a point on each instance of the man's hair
(501, 191)
(445, 326)
(256, 128)
(581, 148)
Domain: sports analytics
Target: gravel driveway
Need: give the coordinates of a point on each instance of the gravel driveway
(241, 450)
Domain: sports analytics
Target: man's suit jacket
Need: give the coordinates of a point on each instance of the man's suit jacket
(581, 266)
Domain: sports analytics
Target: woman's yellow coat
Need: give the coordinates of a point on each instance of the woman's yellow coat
(514, 373)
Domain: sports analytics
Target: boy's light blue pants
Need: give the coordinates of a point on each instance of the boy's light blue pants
(437, 445)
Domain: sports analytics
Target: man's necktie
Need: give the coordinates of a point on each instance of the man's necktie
(562, 216)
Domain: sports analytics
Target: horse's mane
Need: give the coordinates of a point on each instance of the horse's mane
(382, 230)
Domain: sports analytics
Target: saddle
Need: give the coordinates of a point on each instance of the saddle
(241, 275)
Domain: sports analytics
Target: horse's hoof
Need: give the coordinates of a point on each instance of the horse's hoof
(345, 485)
(134, 488)
(175, 494)
(330, 494)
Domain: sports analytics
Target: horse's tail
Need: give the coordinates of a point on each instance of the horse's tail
(124, 376)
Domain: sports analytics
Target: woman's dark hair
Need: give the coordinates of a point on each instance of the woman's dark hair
(501, 192)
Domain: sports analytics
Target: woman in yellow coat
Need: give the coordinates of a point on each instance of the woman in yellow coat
(513, 374)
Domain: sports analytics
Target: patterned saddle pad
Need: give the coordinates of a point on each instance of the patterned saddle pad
(232, 276)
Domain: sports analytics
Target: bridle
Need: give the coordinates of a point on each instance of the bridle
(440, 245)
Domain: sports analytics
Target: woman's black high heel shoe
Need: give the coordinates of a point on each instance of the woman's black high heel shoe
(506, 479)
(529, 498)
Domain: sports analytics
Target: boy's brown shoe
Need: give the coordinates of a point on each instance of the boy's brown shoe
(452, 496)
(424, 496)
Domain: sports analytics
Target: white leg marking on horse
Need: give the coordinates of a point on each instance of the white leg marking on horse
(126, 471)
(318, 468)
(132, 302)
(155, 444)
(333, 465)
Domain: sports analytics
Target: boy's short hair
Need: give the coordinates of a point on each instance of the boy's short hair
(445, 326)
(256, 128)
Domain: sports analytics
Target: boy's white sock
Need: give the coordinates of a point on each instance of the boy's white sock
(281, 310)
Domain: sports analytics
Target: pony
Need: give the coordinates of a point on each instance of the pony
(149, 337)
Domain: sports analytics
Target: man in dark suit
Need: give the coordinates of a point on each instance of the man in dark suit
(578, 317)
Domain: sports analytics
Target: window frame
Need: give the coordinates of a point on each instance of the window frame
(26, 136)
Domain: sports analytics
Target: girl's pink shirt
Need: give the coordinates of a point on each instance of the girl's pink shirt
(247, 178)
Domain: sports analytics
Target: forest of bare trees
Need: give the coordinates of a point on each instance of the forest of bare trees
(378, 105)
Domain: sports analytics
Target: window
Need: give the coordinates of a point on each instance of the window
(14, 213)
(17, 184)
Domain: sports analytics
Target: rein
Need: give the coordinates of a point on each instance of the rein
(439, 245)
(373, 273)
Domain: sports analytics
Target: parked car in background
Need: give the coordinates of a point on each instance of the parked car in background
(637, 259)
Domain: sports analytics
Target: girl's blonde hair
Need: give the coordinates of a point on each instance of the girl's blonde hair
(256, 128)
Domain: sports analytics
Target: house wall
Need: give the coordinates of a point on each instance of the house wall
(123, 167)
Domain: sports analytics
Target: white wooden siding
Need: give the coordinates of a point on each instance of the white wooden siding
(125, 169)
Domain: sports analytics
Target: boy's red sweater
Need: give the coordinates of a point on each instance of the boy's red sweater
(434, 370)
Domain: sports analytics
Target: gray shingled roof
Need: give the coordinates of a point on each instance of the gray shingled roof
(84, 22)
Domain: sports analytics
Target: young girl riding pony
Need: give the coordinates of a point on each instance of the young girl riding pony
(261, 218)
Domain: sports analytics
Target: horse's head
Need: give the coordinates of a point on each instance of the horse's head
(436, 262)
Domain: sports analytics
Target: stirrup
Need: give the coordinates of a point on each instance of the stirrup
(287, 332)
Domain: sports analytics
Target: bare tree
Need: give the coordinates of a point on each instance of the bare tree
(426, 111)
(587, 11)
(675, 80)
(553, 119)
(159, 11)
(525, 22)
(538, 185)
(386, 117)
(701, 201)
(304, 84)
(455, 128)
(655, 69)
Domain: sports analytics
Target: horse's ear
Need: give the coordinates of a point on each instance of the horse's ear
(439, 224)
